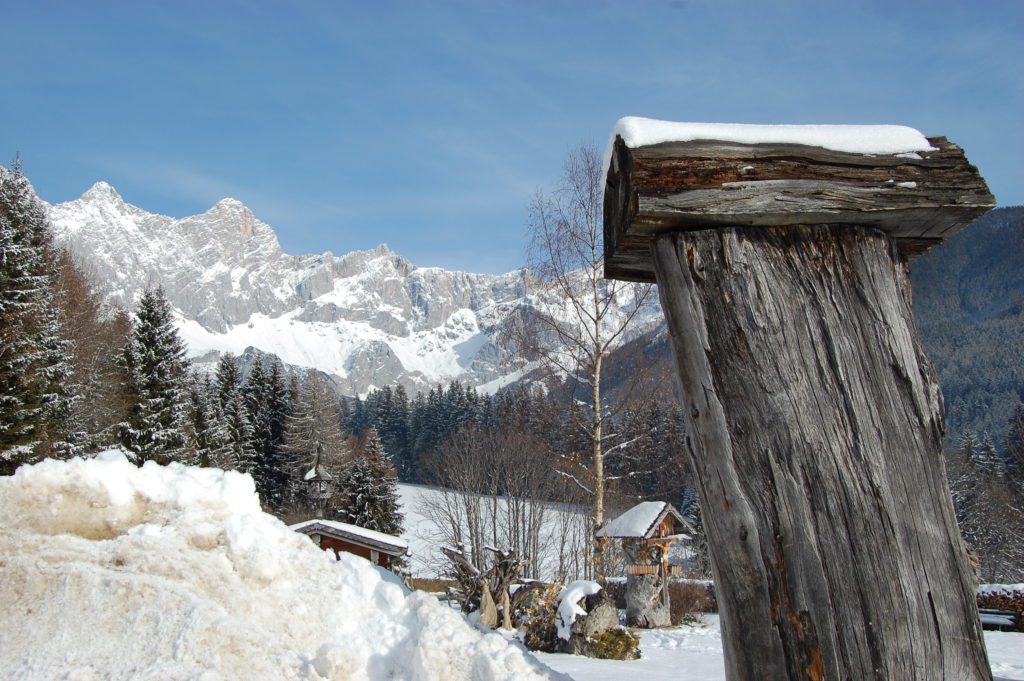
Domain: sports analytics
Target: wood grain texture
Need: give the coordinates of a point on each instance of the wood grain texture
(919, 199)
(815, 430)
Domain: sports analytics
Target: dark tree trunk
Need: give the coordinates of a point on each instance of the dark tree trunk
(815, 426)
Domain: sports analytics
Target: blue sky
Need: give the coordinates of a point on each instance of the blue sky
(430, 125)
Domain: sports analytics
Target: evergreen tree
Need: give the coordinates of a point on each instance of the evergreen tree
(988, 508)
(369, 489)
(357, 419)
(210, 440)
(266, 401)
(234, 415)
(275, 467)
(98, 335)
(987, 459)
(256, 397)
(960, 473)
(1015, 450)
(156, 384)
(699, 553)
(35, 398)
(392, 425)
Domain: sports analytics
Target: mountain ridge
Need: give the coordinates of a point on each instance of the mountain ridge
(372, 318)
(969, 307)
(368, 318)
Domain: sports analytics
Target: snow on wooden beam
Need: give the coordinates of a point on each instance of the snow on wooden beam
(919, 197)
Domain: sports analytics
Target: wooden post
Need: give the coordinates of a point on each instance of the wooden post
(814, 418)
(815, 427)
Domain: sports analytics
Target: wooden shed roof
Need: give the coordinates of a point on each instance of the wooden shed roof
(378, 541)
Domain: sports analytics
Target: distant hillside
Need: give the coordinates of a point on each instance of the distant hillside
(969, 305)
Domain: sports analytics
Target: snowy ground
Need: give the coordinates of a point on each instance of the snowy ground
(108, 571)
(694, 653)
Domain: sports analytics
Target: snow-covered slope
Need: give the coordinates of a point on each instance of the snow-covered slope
(109, 571)
(369, 318)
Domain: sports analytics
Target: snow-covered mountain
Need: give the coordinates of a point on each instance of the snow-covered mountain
(369, 318)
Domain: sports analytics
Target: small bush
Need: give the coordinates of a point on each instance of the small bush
(615, 644)
(688, 600)
(538, 621)
(615, 589)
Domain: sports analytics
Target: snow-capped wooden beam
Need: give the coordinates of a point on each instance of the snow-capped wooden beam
(919, 196)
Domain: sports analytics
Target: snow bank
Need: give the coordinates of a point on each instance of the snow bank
(108, 571)
(568, 605)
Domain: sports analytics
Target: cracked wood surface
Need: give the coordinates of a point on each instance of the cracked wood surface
(919, 199)
(814, 428)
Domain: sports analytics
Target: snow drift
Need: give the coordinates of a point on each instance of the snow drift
(109, 571)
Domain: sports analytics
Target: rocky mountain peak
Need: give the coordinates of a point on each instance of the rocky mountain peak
(101, 191)
(367, 318)
(236, 218)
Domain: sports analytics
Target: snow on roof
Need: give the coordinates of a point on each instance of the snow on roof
(318, 470)
(855, 139)
(308, 526)
(636, 522)
(175, 572)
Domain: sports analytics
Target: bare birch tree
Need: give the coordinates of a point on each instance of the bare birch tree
(494, 489)
(566, 254)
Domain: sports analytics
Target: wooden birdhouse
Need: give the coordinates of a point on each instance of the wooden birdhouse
(647, 531)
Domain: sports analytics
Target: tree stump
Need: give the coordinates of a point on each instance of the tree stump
(815, 425)
(647, 603)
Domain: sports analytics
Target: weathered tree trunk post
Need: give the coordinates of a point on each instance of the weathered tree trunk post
(815, 432)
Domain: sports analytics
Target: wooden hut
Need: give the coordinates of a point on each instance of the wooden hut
(646, 532)
(378, 548)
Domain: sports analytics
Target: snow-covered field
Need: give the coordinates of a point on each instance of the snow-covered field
(108, 571)
(694, 653)
(425, 537)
